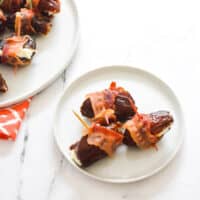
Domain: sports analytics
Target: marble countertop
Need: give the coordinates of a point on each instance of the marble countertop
(162, 37)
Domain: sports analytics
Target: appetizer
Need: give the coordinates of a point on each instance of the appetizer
(97, 143)
(145, 130)
(112, 104)
(31, 22)
(17, 50)
(3, 84)
(25, 18)
(47, 7)
(115, 120)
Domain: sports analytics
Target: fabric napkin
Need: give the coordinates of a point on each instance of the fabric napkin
(11, 119)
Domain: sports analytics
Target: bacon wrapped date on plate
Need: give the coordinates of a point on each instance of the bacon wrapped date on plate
(24, 17)
(30, 22)
(17, 50)
(114, 103)
(145, 130)
(97, 143)
(47, 7)
(115, 120)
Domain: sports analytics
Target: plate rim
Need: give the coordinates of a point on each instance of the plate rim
(74, 47)
(118, 180)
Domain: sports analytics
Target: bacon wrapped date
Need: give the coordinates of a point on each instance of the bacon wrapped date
(115, 120)
(97, 144)
(84, 154)
(47, 7)
(145, 130)
(17, 50)
(3, 84)
(109, 105)
(30, 22)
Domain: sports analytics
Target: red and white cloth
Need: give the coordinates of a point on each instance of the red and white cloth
(11, 119)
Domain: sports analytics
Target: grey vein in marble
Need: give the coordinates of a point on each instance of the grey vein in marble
(22, 158)
(63, 76)
(53, 180)
(19, 190)
(23, 153)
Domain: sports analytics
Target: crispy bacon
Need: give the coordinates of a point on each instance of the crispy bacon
(85, 154)
(11, 48)
(104, 99)
(105, 117)
(97, 104)
(139, 130)
(104, 138)
(12, 45)
(95, 144)
(97, 101)
(145, 130)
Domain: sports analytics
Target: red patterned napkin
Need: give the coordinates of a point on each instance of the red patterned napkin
(11, 119)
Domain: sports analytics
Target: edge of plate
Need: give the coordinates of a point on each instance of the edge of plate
(53, 78)
(127, 180)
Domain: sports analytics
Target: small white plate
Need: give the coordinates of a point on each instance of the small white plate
(150, 93)
(54, 52)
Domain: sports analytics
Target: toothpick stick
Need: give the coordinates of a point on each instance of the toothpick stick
(1, 1)
(30, 4)
(18, 24)
(81, 120)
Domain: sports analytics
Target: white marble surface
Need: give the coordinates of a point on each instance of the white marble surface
(160, 36)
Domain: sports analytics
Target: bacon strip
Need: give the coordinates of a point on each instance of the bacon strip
(12, 45)
(104, 138)
(139, 128)
(105, 99)
(97, 101)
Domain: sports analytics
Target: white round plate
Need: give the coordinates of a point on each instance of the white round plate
(150, 93)
(54, 53)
